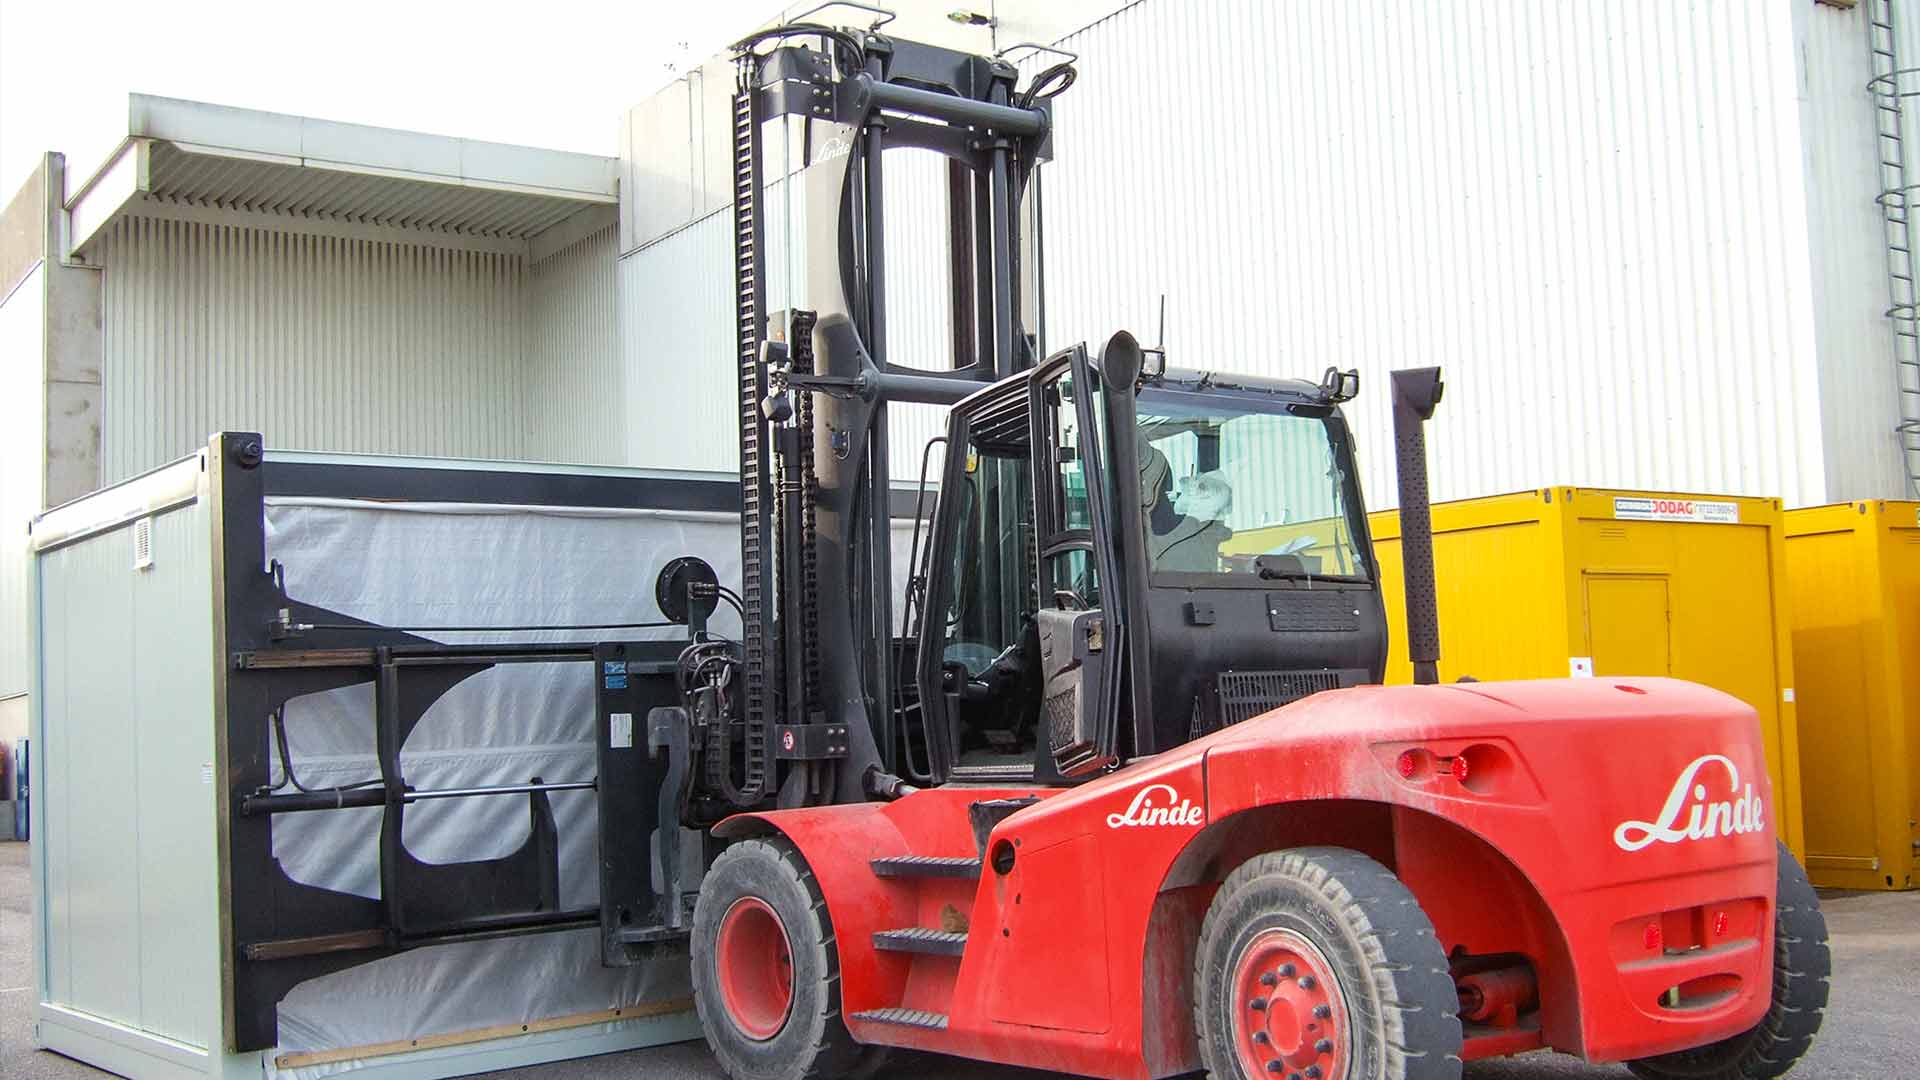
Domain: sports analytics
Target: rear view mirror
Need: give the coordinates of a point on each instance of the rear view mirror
(1337, 386)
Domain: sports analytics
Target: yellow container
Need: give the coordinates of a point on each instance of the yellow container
(1578, 581)
(1854, 571)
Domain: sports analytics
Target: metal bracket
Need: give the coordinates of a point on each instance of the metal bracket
(810, 742)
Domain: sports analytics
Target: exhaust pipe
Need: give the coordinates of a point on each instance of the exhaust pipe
(1415, 392)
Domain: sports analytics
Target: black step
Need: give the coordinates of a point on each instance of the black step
(920, 939)
(938, 866)
(919, 1018)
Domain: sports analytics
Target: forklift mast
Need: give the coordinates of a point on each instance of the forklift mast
(819, 665)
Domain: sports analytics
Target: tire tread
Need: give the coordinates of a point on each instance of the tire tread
(831, 1051)
(1408, 968)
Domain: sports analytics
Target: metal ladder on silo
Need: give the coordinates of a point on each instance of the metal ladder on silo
(1896, 204)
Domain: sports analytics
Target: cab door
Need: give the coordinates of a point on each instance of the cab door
(1081, 619)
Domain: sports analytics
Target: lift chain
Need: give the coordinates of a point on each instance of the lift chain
(755, 481)
(801, 336)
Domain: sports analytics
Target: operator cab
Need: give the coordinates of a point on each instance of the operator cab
(1076, 512)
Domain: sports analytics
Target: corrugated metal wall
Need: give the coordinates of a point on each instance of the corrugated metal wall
(676, 348)
(1858, 407)
(575, 398)
(22, 443)
(1590, 215)
(318, 342)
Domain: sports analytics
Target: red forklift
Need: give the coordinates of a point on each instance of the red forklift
(1120, 794)
(1124, 796)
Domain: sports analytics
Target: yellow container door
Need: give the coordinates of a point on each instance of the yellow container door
(1629, 627)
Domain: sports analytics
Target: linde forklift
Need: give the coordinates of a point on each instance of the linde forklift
(1122, 795)
(1125, 798)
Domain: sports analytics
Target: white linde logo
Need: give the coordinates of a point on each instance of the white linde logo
(1704, 819)
(1173, 810)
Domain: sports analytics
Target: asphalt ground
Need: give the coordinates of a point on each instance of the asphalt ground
(1872, 1030)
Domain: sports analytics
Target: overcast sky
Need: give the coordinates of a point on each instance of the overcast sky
(555, 73)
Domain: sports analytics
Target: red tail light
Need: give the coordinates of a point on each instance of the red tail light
(1459, 768)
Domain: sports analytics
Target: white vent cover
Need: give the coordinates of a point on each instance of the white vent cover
(143, 544)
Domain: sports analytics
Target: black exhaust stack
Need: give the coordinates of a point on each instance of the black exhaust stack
(1415, 392)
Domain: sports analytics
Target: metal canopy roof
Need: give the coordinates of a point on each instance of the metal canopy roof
(213, 162)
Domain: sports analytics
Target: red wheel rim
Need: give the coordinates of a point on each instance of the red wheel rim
(755, 968)
(1289, 1018)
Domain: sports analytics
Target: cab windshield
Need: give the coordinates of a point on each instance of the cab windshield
(1237, 486)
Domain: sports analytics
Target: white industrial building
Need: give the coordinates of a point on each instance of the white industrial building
(1649, 243)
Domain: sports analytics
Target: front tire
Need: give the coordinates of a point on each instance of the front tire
(1801, 966)
(766, 970)
(1318, 963)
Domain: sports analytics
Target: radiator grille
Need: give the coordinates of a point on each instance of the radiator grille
(1246, 694)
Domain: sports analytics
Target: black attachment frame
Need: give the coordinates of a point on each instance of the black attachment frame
(280, 932)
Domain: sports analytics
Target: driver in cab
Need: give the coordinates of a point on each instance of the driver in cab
(1183, 535)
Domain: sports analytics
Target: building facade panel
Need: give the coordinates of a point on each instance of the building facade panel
(573, 393)
(22, 341)
(319, 342)
(1591, 217)
(1848, 250)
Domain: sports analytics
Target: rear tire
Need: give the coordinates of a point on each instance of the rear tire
(766, 970)
(1319, 963)
(1801, 965)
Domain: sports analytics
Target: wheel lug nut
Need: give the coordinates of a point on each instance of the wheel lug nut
(1324, 1046)
(1322, 1011)
(1257, 1004)
(1274, 1065)
(1286, 971)
(1306, 982)
(1269, 979)
(1262, 1038)
(1312, 1073)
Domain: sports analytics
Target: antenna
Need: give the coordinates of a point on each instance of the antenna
(1154, 371)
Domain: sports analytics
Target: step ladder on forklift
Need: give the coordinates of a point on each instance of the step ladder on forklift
(1891, 86)
(944, 884)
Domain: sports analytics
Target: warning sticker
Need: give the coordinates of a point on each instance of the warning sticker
(620, 731)
(1638, 509)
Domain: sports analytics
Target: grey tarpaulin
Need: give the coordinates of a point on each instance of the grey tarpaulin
(435, 564)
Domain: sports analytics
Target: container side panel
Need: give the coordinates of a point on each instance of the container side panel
(1831, 651)
(1900, 601)
(92, 788)
(130, 878)
(1493, 582)
(178, 913)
